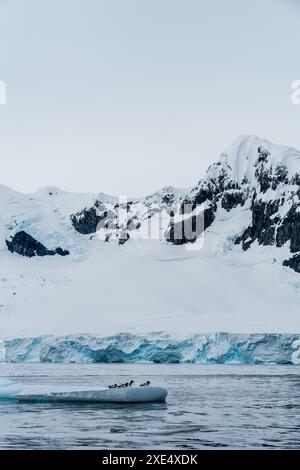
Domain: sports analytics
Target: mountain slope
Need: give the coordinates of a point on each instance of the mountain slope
(96, 264)
(261, 180)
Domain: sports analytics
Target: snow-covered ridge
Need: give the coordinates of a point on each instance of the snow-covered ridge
(242, 156)
(254, 177)
(259, 183)
(217, 348)
(240, 272)
(55, 218)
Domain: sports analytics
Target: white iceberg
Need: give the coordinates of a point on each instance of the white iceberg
(25, 393)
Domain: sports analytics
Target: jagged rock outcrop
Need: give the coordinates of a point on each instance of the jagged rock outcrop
(260, 178)
(293, 263)
(124, 237)
(251, 193)
(269, 227)
(290, 229)
(252, 175)
(116, 220)
(188, 230)
(86, 221)
(232, 199)
(263, 226)
(24, 244)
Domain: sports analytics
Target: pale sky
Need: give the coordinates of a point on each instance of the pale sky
(127, 96)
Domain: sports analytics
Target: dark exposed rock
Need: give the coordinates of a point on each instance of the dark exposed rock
(221, 189)
(202, 196)
(86, 221)
(263, 224)
(280, 176)
(272, 222)
(26, 245)
(267, 236)
(295, 235)
(222, 183)
(246, 238)
(289, 229)
(293, 263)
(188, 230)
(263, 154)
(264, 178)
(168, 199)
(133, 223)
(209, 217)
(232, 185)
(296, 179)
(59, 251)
(124, 237)
(230, 200)
(284, 231)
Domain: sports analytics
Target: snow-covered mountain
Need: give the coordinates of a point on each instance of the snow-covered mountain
(73, 263)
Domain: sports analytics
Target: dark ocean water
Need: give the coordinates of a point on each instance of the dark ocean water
(208, 407)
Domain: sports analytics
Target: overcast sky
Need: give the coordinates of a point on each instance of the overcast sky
(126, 96)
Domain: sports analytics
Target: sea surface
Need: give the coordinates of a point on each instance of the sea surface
(208, 407)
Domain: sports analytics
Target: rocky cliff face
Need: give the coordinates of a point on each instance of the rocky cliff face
(253, 175)
(254, 187)
(122, 220)
(25, 245)
(262, 179)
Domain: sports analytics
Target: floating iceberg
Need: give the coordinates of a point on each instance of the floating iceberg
(214, 348)
(126, 395)
(18, 392)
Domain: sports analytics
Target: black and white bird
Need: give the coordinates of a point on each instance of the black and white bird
(113, 386)
(146, 384)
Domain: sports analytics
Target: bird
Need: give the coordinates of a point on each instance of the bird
(146, 384)
(113, 386)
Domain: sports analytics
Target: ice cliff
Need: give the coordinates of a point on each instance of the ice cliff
(218, 348)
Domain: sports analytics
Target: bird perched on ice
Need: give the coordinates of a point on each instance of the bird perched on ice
(146, 384)
(127, 384)
(113, 386)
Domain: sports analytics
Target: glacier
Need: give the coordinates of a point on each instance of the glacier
(240, 274)
(212, 348)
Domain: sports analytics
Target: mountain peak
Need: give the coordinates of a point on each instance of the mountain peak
(254, 181)
(48, 191)
(243, 154)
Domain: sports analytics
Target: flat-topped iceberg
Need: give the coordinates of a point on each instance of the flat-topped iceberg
(213, 348)
(45, 393)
